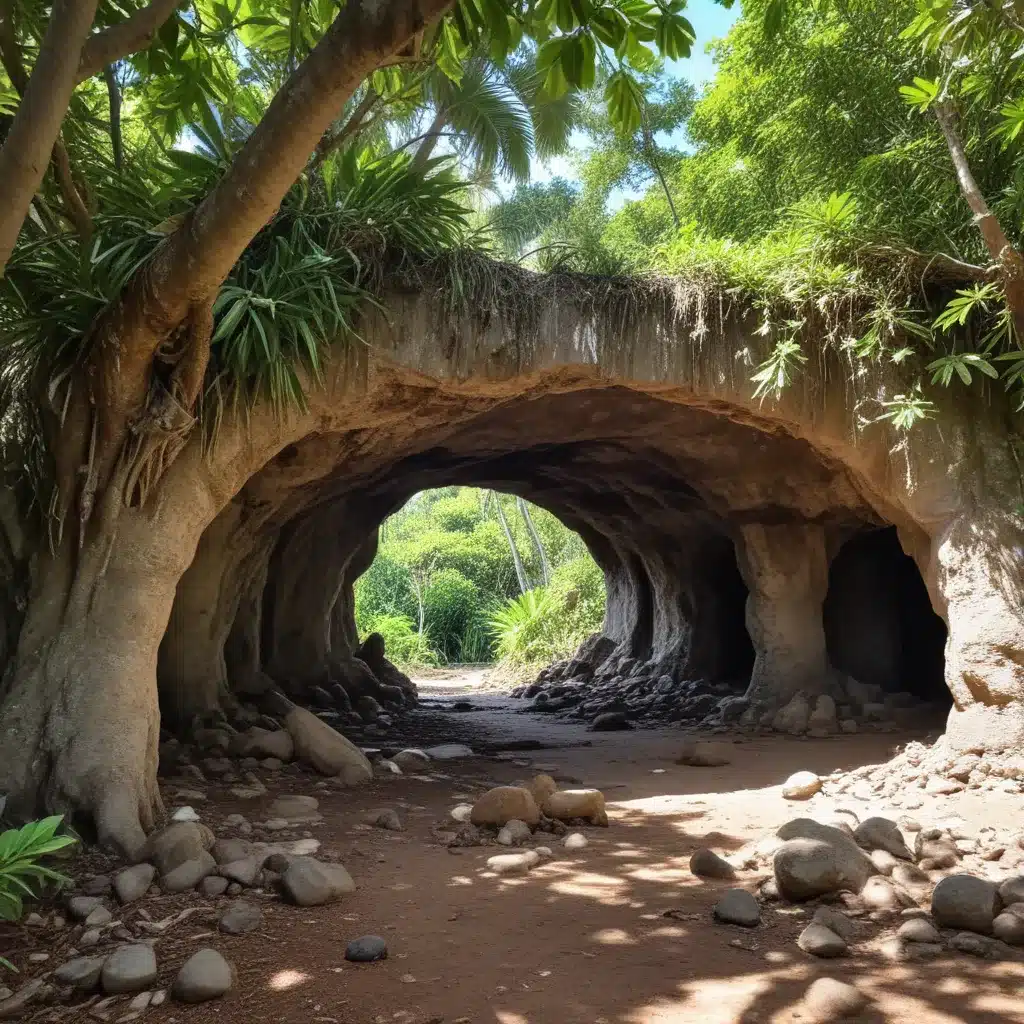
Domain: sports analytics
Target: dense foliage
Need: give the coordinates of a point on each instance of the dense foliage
(445, 587)
(820, 181)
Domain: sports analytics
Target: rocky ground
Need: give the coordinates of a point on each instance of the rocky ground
(743, 879)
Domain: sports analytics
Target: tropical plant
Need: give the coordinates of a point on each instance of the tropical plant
(21, 873)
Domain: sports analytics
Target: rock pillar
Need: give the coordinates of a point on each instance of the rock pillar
(785, 568)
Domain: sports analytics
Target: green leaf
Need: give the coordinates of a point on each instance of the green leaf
(774, 17)
(921, 95)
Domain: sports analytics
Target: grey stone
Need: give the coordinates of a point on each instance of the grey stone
(909, 875)
(80, 907)
(129, 969)
(817, 859)
(828, 999)
(918, 929)
(965, 902)
(1009, 925)
(737, 906)
(385, 818)
(707, 864)
(412, 760)
(971, 944)
(98, 918)
(514, 833)
(189, 874)
(98, 885)
(240, 918)
(817, 940)
(703, 754)
(226, 851)
(132, 883)
(1012, 890)
(213, 885)
(882, 834)
(449, 752)
(836, 922)
(173, 846)
(205, 975)
(611, 721)
(310, 883)
(82, 973)
(366, 949)
(244, 872)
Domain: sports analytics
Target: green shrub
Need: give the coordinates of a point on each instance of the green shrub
(450, 603)
(403, 645)
(549, 623)
(21, 874)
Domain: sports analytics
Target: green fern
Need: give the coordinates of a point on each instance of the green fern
(21, 874)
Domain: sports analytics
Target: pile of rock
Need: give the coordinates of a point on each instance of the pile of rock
(622, 691)
(920, 771)
(512, 815)
(915, 888)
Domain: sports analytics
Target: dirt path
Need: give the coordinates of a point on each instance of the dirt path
(584, 939)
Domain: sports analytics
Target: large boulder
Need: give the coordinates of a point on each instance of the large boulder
(503, 804)
(326, 750)
(310, 883)
(171, 847)
(967, 903)
(817, 859)
(882, 834)
(566, 804)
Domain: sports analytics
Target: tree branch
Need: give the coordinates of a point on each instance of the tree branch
(114, 99)
(328, 144)
(129, 36)
(1009, 259)
(190, 265)
(76, 208)
(29, 145)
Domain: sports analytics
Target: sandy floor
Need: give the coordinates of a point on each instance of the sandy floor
(619, 933)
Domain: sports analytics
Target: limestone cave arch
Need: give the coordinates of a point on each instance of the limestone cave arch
(639, 396)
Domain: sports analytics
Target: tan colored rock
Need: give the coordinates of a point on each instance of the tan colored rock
(503, 804)
(577, 803)
(326, 750)
(262, 743)
(704, 754)
(542, 786)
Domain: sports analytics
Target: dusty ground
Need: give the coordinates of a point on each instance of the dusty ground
(619, 933)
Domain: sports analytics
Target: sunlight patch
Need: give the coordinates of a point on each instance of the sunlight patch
(284, 980)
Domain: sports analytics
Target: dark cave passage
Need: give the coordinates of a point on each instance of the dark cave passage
(879, 622)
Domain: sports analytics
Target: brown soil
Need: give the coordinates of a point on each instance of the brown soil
(619, 933)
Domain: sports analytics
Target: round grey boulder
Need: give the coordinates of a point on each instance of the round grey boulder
(738, 906)
(828, 999)
(132, 883)
(310, 883)
(1009, 925)
(128, 969)
(366, 949)
(707, 864)
(966, 903)
(82, 973)
(817, 940)
(205, 975)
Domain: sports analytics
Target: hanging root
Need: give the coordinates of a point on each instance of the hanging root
(157, 436)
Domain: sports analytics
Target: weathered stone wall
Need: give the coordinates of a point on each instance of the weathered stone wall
(630, 413)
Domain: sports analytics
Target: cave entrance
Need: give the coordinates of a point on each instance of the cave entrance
(880, 626)
(466, 575)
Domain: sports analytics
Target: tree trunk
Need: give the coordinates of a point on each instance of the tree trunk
(26, 152)
(1003, 253)
(524, 583)
(430, 140)
(542, 555)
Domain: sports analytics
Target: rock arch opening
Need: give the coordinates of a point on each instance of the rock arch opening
(880, 626)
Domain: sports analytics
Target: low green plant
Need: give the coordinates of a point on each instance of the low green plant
(402, 643)
(21, 873)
